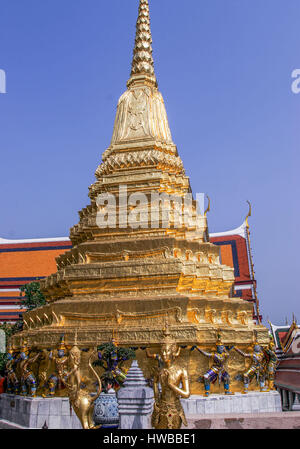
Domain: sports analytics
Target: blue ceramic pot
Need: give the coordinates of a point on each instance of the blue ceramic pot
(106, 410)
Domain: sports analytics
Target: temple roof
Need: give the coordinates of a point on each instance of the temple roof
(43, 240)
(241, 230)
(284, 335)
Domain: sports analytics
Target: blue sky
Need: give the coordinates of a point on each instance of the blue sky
(224, 68)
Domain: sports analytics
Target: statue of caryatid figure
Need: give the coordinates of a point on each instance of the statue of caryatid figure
(60, 362)
(13, 384)
(168, 412)
(80, 397)
(28, 380)
(256, 369)
(218, 370)
(272, 362)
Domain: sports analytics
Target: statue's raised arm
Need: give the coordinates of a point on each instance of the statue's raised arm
(218, 369)
(244, 354)
(257, 367)
(149, 355)
(206, 354)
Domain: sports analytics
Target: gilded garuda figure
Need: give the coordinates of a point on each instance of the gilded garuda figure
(80, 398)
(28, 380)
(168, 412)
(61, 362)
(13, 384)
(257, 367)
(218, 369)
(271, 365)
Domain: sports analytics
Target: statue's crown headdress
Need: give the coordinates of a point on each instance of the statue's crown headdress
(24, 347)
(219, 338)
(75, 349)
(114, 339)
(255, 342)
(271, 342)
(10, 349)
(61, 344)
(167, 334)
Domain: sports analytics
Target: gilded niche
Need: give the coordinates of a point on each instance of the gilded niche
(141, 114)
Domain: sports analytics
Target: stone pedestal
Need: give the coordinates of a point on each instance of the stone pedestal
(33, 413)
(135, 401)
(296, 405)
(253, 402)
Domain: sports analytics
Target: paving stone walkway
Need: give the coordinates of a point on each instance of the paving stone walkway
(284, 420)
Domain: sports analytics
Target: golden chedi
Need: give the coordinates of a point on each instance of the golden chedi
(124, 279)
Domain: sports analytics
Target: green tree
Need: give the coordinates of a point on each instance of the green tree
(9, 330)
(33, 296)
(3, 361)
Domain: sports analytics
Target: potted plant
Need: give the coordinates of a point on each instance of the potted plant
(111, 358)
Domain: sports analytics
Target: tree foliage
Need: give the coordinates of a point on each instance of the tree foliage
(32, 299)
(3, 361)
(9, 330)
(33, 296)
(111, 358)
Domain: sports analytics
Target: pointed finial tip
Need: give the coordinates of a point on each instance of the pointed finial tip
(142, 62)
(249, 214)
(208, 206)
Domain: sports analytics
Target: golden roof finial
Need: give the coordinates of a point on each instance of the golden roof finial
(208, 206)
(251, 263)
(249, 214)
(142, 62)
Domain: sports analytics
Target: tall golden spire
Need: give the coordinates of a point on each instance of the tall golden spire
(141, 116)
(142, 62)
